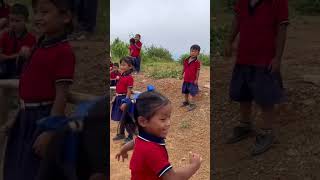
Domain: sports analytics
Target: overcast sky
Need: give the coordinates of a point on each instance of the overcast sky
(172, 24)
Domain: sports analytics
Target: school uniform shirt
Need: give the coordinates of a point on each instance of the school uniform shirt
(150, 159)
(258, 30)
(136, 50)
(125, 82)
(190, 69)
(11, 44)
(51, 62)
(4, 11)
(113, 75)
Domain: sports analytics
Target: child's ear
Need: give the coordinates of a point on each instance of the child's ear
(142, 121)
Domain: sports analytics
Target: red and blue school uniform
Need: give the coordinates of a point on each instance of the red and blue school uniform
(135, 50)
(113, 77)
(125, 82)
(51, 62)
(190, 69)
(258, 27)
(150, 158)
(11, 44)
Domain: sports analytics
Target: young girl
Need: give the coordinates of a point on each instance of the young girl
(43, 89)
(123, 91)
(114, 74)
(150, 158)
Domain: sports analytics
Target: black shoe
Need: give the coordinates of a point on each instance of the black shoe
(240, 133)
(128, 139)
(192, 107)
(119, 137)
(263, 143)
(185, 103)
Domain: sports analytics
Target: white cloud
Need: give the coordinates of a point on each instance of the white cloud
(172, 24)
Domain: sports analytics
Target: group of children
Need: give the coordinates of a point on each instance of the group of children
(45, 66)
(148, 117)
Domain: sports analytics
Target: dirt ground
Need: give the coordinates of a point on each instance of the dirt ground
(189, 130)
(296, 155)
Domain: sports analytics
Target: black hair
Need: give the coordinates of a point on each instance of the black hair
(132, 41)
(195, 47)
(20, 9)
(146, 105)
(116, 64)
(64, 6)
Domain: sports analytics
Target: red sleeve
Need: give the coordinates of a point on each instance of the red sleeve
(65, 66)
(139, 45)
(156, 159)
(281, 11)
(130, 82)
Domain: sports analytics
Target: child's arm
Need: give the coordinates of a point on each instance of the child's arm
(123, 106)
(197, 77)
(124, 150)
(281, 41)
(233, 34)
(4, 57)
(138, 46)
(184, 173)
(58, 109)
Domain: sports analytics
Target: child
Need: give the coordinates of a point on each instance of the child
(256, 75)
(15, 44)
(114, 75)
(136, 49)
(191, 70)
(123, 91)
(43, 89)
(152, 112)
(4, 15)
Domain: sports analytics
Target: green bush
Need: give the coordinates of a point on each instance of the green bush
(205, 59)
(158, 52)
(119, 49)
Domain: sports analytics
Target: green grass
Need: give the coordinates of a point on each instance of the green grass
(160, 70)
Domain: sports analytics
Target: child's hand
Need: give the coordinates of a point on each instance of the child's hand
(41, 143)
(123, 107)
(118, 77)
(123, 154)
(195, 159)
(25, 52)
(196, 82)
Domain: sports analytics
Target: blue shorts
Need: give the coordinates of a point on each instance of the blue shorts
(252, 83)
(116, 113)
(190, 88)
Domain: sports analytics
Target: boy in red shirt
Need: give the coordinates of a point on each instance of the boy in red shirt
(262, 27)
(16, 43)
(191, 70)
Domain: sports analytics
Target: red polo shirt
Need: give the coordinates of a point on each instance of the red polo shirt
(258, 30)
(136, 49)
(190, 69)
(113, 75)
(4, 11)
(10, 44)
(150, 159)
(125, 82)
(52, 61)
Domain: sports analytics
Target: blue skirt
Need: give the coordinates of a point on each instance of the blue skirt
(20, 160)
(116, 112)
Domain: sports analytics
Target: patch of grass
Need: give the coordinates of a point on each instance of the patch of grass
(160, 70)
(307, 7)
